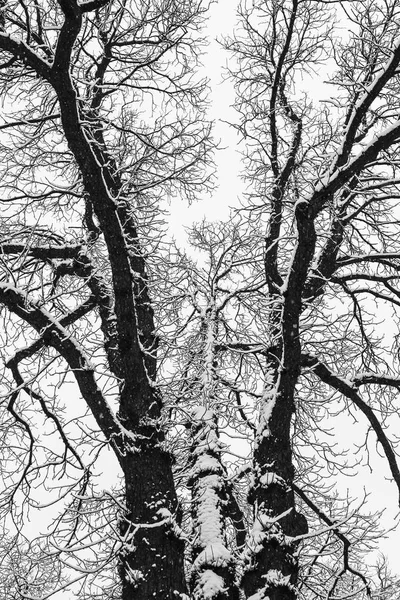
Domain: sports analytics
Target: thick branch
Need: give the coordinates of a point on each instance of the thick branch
(277, 86)
(345, 541)
(340, 177)
(42, 252)
(372, 378)
(54, 335)
(378, 257)
(22, 52)
(73, 316)
(281, 176)
(103, 186)
(67, 36)
(370, 94)
(347, 389)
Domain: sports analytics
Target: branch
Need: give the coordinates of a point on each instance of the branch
(236, 515)
(103, 185)
(336, 179)
(132, 310)
(30, 121)
(371, 93)
(345, 541)
(365, 290)
(67, 36)
(245, 348)
(42, 252)
(93, 5)
(20, 50)
(73, 316)
(22, 385)
(365, 378)
(281, 175)
(326, 262)
(56, 336)
(241, 411)
(352, 260)
(277, 85)
(25, 425)
(347, 388)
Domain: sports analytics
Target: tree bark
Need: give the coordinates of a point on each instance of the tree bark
(270, 562)
(151, 557)
(213, 572)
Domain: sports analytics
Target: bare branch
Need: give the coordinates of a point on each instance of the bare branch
(348, 389)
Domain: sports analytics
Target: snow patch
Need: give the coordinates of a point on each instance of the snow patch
(268, 402)
(260, 595)
(276, 578)
(270, 478)
(133, 576)
(209, 585)
(265, 527)
(205, 463)
(273, 578)
(213, 555)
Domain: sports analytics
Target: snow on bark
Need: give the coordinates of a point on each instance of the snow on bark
(213, 568)
(269, 560)
(267, 406)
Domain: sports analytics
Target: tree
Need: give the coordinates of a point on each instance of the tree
(205, 388)
(328, 186)
(86, 143)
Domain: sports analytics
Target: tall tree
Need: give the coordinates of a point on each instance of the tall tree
(102, 117)
(326, 179)
(205, 387)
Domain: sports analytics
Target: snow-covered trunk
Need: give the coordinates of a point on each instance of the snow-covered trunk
(151, 557)
(213, 565)
(269, 560)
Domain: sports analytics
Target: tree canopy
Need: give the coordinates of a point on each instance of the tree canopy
(176, 421)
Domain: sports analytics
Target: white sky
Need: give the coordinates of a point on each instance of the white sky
(228, 161)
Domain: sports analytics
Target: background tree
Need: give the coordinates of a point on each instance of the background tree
(172, 414)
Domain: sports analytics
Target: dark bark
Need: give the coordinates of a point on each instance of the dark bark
(151, 558)
(270, 563)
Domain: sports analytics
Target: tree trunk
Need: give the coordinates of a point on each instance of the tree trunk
(213, 570)
(270, 563)
(151, 558)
